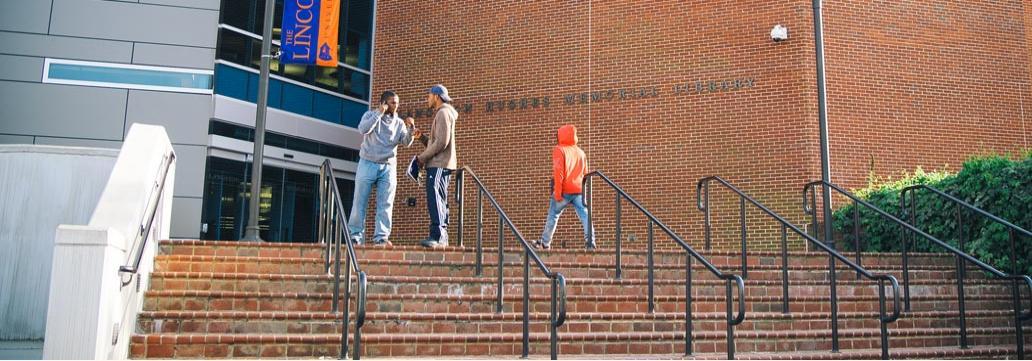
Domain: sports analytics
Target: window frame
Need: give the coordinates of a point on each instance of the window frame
(47, 79)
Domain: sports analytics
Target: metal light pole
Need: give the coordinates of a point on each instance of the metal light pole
(822, 110)
(251, 233)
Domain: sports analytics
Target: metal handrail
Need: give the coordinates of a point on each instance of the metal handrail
(140, 240)
(702, 200)
(558, 305)
(690, 253)
(333, 233)
(1013, 230)
(1019, 317)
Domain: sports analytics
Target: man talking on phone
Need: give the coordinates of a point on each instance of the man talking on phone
(382, 131)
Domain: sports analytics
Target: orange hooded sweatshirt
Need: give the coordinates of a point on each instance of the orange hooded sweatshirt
(569, 164)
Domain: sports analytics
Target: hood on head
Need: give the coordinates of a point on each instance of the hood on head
(568, 135)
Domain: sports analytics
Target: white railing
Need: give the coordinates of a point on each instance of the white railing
(100, 270)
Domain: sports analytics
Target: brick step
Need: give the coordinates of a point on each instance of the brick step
(468, 253)
(948, 353)
(311, 302)
(579, 270)
(607, 256)
(575, 286)
(570, 343)
(441, 323)
(640, 270)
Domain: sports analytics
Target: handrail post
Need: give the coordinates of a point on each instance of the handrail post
(360, 301)
(526, 303)
(587, 197)
(881, 320)
(480, 232)
(908, 237)
(651, 260)
(813, 211)
(322, 221)
(688, 304)
(336, 263)
(834, 302)
(745, 265)
(501, 261)
(856, 235)
(330, 209)
(554, 322)
(730, 328)
(960, 279)
(784, 269)
(1019, 333)
(619, 251)
(459, 186)
(1014, 251)
(347, 310)
(708, 234)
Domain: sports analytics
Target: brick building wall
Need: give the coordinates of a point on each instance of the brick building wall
(666, 93)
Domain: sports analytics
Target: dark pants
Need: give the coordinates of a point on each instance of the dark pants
(437, 202)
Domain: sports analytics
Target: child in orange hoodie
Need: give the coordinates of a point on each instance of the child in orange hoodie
(569, 166)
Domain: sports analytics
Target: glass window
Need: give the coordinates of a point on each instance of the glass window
(328, 78)
(356, 84)
(327, 107)
(127, 76)
(297, 99)
(288, 208)
(283, 141)
(353, 113)
(358, 33)
(244, 49)
(259, 18)
(234, 47)
(231, 82)
(239, 13)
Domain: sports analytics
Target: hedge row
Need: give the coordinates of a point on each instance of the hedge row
(996, 184)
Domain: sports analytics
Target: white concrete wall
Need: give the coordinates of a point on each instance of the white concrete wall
(91, 314)
(40, 188)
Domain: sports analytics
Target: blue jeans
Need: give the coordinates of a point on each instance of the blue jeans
(555, 209)
(385, 177)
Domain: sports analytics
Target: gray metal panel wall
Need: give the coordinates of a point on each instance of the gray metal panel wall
(27, 16)
(184, 116)
(35, 197)
(173, 33)
(21, 68)
(174, 55)
(62, 110)
(160, 24)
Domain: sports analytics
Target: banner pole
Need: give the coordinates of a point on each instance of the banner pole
(259, 125)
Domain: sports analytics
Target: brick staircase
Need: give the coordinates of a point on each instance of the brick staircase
(233, 299)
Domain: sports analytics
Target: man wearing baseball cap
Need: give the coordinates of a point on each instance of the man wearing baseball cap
(439, 161)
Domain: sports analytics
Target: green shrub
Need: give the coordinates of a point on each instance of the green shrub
(996, 184)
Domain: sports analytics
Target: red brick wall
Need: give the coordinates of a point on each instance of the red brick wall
(925, 98)
(923, 83)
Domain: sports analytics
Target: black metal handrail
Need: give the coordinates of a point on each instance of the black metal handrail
(702, 200)
(558, 306)
(333, 234)
(1013, 230)
(690, 253)
(810, 208)
(140, 240)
